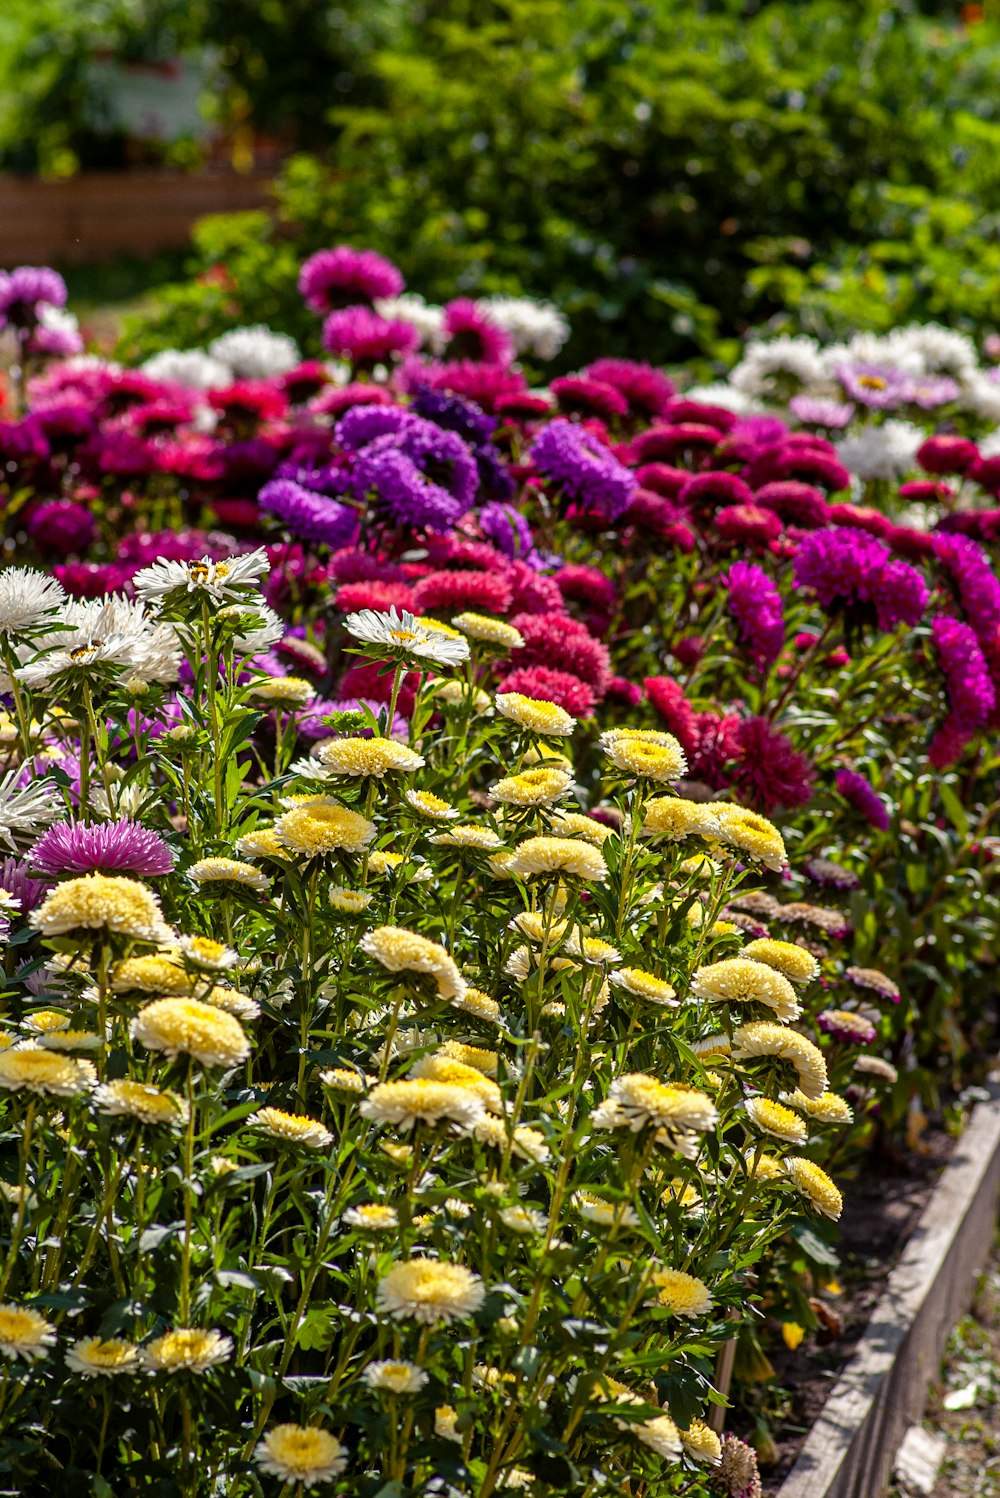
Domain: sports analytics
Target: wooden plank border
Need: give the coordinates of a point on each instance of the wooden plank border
(850, 1451)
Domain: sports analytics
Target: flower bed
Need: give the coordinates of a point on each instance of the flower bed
(482, 857)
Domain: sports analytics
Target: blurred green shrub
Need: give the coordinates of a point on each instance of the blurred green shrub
(668, 172)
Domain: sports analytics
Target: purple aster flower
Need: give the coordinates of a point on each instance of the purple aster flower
(25, 290)
(362, 424)
(507, 528)
(15, 880)
(421, 474)
(583, 468)
(62, 527)
(456, 414)
(833, 875)
(365, 338)
(755, 604)
(310, 516)
(101, 847)
(975, 582)
(877, 386)
(343, 276)
(971, 693)
(932, 390)
(846, 569)
(815, 411)
(312, 725)
(856, 789)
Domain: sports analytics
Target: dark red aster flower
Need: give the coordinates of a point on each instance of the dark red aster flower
(622, 690)
(562, 644)
(986, 473)
(702, 414)
(588, 586)
(661, 478)
(352, 566)
(947, 454)
(533, 593)
(259, 400)
(582, 397)
(689, 649)
(769, 771)
(666, 443)
(647, 391)
(552, 686)
(667, 697)
(910, 543)
(375, 595)
(715, 490)
(747, 524)
(931, 491)
(797, 503)
(485, 592)
(662, 518)
(789, 461)
(861, 518)
(522, 404)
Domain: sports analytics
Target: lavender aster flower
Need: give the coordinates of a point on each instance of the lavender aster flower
(101, 847)
(507, 528)
(931, 391)
(815, 411)
(755, 604)
(456, 414)
(25, 291)
(14, 879)
(977, 586)
(878, 386)
(855, 789)
(421, 474)
(583, 468)
(310, 516)
(971, 693)
(362, 424)
(847, 569)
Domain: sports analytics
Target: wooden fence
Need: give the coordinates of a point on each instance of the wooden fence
(100, 215)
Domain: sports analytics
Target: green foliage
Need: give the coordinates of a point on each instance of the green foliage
(667, 173)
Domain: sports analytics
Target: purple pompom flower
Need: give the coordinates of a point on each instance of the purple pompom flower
(310, 516)
(101, 847)
(583, 468)
(62, 528)
(421, 474)
(856, 789)
(755, 604)
(14, 879)
(343, 276)
(507, 528)
(975, 582)
(25, 291)
(846, 569)
(971, 693)
(362, 424)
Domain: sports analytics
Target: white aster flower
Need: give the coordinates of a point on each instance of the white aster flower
(411, 308)
(192, 368)
(255, 353)
(394, 1378)
(883, 452)
(221, 582)
(28, 599)
(25, 810)
(534, 327)
(403, 636)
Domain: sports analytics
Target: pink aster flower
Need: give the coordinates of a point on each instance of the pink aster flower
(971, 693)
(579, 396)
(472, 334)
(360, 335)
(545, 685)
(755, 604)
(101, 847)
(647, 391)
(343, 276)
(944, 453)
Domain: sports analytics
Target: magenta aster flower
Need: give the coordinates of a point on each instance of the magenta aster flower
(472, 334)
(647, 391)
(975, 582)
(849, 571)
(769, 771)
(971, 693)
(796, 503)
(755, 604)
(944, 453)
(856, 789)
(578, 395)
(25, 290)
(357, 334)
(15, 880)
(341, 277)
(101, 847)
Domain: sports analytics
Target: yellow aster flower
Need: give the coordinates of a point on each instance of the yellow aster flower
(400, 950)
(604, 1213)
(187, 1027)
(528, 1143)
(394, 1378)
(46, 1021)
(92, 1357)
(487, 1062)
(751, 834)
(489, 631)
(558, 855)
(422, 1100)
(739, 980)
(533, 925)
(673, 817)
(776, 1119)
(575, 824)
(341, 1079)
(139, 1100)
(99, 902)
(187, 1350)
(428, 1291)
(376, 757)
(701, 1442)
(797, 963)
(828, 1108)
(284, 691)
(646, 760)
(546, 719)
(468, 835)
(300, 1454)
(446, 1424)
(229, 871)
(645, 986)
(317, 829)
(637, 1101)
(456, 1073)
(71, 1040)
(816, 1186)
(480, 1005)
(372, 1217)
(684, 1294)
(764, 1167)
(349, 901)
(44, 1073)
(455, 693)
(25, 1334)
(538, 787)
(206, 955)
(763, 1038)
(291, 1128)
(233, 1002)
(430, 806)
(262, 842)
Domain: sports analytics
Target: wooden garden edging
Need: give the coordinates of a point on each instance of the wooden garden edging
(850, 1451)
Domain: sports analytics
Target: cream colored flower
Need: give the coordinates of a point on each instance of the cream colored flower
(428, 1290)
(341, 1079)
(93, 1358)
(446, 1424)
(604, 1213)
(575, 824)
(25, 1334)
(662, 761)
(673, 817)
(375, 757)
(406, 1104)
(526, 1221)
(776, 1119)
(558, 855)
(139, 1100)
(262, 842)
(206, 955)
(44, 1073)
(448, 1069)
(99, 902)
(71, 1040)
(187, 1027)
(291, 1128)
(738, 980)
(400, 951)
(480, 1005)
(751, 833)
(300, 1454)
(546, 719)
(797, 963)
(468, 835)
(538, 787)
(349, 901)
(828, 1108)
(876, 1067)
(684, 1294)
(637, 1101)
(487, 1062)
(284, 691)
(489, 631)
(430, 806)
(816, 1186)
(372, 1217)
(151, 974)
(394, 1378)
(187, 1350)
(319, 828)
(645, 986)
(764, 1038)
(524, 1141)
(701, 1442)
(229, 871)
